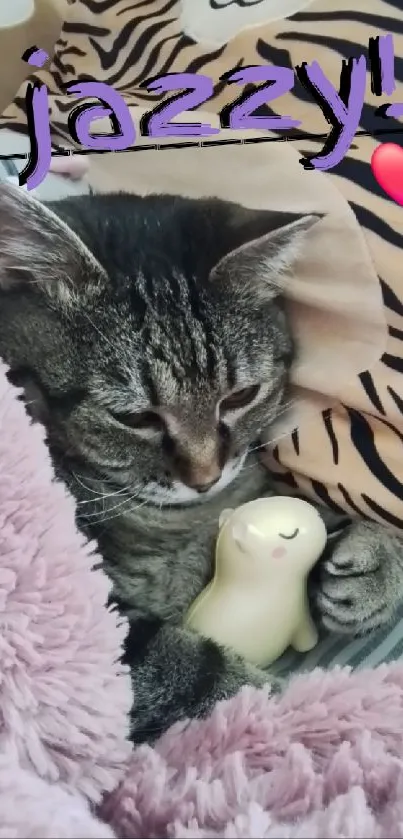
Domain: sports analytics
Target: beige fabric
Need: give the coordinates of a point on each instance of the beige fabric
(219, 24)
(42, 29)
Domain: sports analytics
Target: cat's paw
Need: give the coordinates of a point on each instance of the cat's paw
(239, 673)
(360, 583)
(262, 678)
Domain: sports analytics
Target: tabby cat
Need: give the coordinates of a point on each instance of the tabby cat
(150, 338)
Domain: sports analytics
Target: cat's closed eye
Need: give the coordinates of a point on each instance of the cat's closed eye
(141, 420)
(149, 420)
(239, 399)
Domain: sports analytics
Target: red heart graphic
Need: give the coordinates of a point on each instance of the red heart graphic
(387, 167)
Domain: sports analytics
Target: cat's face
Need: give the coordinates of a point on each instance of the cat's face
(152, 341)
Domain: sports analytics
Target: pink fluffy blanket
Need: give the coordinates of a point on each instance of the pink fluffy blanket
(324, 760)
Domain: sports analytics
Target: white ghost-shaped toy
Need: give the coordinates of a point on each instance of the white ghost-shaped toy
(257, 601)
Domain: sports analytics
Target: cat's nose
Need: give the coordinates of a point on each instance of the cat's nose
(197, 460)
(202, 477)
(204, 487)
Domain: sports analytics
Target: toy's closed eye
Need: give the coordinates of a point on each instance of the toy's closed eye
(239, 398)
(291, 536)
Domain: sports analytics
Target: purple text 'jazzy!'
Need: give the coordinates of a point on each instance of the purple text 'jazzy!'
(342, 109)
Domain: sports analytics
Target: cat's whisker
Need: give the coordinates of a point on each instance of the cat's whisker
(83, 485)
(117, 515)
(100, 515)
(97, 329)
(286, 406)
(99, 496)
(275, 440)
(102, 497)
(269, 443)
(284, 409)
(272, 442)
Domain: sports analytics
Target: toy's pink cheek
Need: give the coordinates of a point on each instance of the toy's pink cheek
(278, 553)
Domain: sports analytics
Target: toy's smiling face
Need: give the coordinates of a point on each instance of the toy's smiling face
(268, 535)
(255, 540)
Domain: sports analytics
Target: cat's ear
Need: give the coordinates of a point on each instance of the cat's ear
(39, 250)
(261, 249)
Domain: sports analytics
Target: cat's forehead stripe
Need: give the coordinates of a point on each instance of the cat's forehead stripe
(176, 329)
